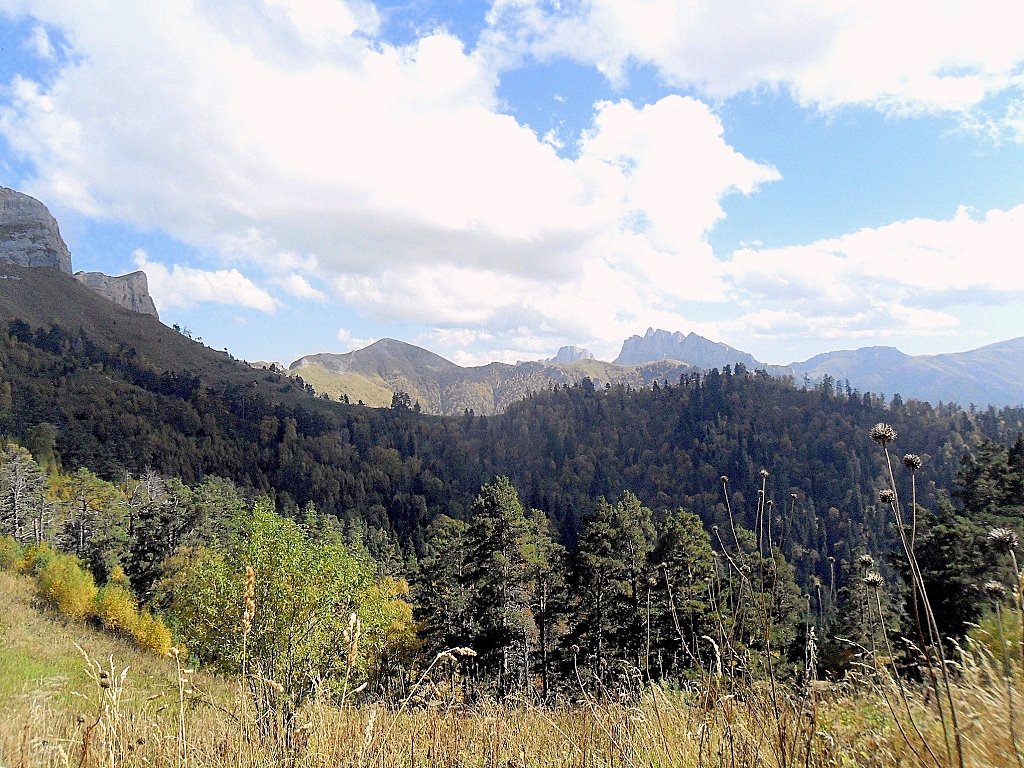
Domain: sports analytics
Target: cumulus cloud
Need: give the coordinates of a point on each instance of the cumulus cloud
(351, 342)
(908, 56)
(183, 286)
(902, 279)
(285, 138)
(299, 287)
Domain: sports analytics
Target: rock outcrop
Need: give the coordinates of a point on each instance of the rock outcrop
(130, 291)
(29, 235)
(689, 348)
(570, 354)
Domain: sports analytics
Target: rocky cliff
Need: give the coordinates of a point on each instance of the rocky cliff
(29, 235)
(130, 291)
(571, 355)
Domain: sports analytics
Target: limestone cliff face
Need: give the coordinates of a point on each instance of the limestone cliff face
(130, 291)
(571, 355)
(29, 235)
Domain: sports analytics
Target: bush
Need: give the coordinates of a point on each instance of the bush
(115, 608)
(151, 634)
(35, 558)
(11, 553)
(65, 586)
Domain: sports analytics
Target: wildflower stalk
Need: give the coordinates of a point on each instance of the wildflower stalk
(884, 434)
(996, 591)
(874, 581)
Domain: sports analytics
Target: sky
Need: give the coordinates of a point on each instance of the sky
(493, 180)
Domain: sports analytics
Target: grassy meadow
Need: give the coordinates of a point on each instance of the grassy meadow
(74, 695)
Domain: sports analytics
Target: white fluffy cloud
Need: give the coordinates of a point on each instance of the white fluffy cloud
(285, 138)
(183, 286)
(899, 280)
(904, 56)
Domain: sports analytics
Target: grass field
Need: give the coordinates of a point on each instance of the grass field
(60, 709)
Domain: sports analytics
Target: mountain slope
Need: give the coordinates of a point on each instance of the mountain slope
(373, 374)
(990, 375)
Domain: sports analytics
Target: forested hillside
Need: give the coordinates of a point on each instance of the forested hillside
(82, 402)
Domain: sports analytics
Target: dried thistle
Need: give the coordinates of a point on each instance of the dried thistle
(1002, 540)
(249, 601)
(874, 580)
(887, 496)
(993, 590)
(883, 433)
(912, 461)
(764, 473)
(865, 561)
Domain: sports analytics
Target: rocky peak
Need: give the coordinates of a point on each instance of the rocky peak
(130, 291)
(29, 235)
(688, 348)
(570, 354)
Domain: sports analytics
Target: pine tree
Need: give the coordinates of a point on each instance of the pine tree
(503, 627)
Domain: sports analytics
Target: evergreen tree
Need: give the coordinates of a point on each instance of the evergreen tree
(503, 629)
(680, 612)
(611, 578)
(441, 589)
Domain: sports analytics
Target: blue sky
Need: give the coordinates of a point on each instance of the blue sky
(494, 180)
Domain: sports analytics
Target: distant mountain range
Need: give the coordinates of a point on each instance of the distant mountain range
(30, 238)
(989, 375)
(372, 375)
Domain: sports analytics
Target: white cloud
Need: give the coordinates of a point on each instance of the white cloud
(905, 56)
(301, 146)
(183, 286)
(39, 42)
(299, 287)
(901, 280)
(350, 342)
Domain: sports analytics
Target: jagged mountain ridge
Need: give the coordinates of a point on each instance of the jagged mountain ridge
(30, 237)
(373, 374)
(984, 376)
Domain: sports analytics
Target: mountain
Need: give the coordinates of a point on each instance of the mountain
(571, 355)
(372, 375)
(30, 237)
(130, 291)
(990, 375)
(688, 348)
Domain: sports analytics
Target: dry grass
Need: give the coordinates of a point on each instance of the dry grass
(59, 710)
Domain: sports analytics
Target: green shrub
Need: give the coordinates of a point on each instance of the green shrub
(11, 553)
(35, 559)
(65, 586)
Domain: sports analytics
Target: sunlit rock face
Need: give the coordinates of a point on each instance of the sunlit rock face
(130, 291)
(29, 235)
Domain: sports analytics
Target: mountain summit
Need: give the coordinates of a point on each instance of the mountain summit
(689, 348)
(30, 237)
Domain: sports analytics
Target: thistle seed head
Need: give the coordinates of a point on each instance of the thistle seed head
(865, 561)
(993, 590)
(887, 496)
(764, 473)
(724, 479)
(883, 433)
(874, 580)
(1002, 540)
(912, 461)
